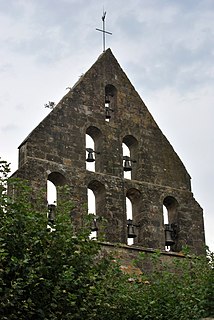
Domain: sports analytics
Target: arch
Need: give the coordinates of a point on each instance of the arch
(92, 211)
(130, 141)
(171, 205)
(57, 178)
(165, 215)
(94, 132)
(129, 216)
(51, 193)
(99, 193)
(110, 102)
(131, 144)
(96, 144)
(170, 220)
(133, 194)
(126, 153)
(54, 181)
(97, 187)
(134, 197)
(89, 144)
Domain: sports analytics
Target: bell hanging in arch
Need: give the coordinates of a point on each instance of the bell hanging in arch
(108, 116)
(90, 157)
(130, 229)
(127, 164)
(168, 236)
(51, 213)
(107, 99)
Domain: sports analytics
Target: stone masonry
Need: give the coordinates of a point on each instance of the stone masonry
(56, 150)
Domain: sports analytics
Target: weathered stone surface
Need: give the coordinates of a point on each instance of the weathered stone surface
(57, 145)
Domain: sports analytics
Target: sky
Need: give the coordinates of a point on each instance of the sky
(166, 48)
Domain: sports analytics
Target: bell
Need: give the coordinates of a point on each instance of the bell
(90, 157)
(108, 116)
(168, 236)
(107, 100)
(127, 164)
(130, 229)
(51, 213)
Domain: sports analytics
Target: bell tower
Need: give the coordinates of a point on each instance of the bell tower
(132, 160)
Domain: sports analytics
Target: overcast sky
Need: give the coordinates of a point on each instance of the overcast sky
(166, 48)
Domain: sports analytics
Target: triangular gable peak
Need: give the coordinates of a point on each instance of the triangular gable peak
(106, 80)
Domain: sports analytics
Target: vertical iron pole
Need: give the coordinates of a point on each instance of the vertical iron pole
(104, 49)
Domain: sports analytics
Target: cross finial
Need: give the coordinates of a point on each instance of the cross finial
(103, 30)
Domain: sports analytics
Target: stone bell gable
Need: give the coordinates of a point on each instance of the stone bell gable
(104, 105)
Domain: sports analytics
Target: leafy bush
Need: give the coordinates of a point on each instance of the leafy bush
(65, 275)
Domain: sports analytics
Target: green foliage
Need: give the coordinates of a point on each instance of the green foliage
(179, 289)
(64, 275)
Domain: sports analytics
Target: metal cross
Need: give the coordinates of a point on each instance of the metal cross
(103, 30)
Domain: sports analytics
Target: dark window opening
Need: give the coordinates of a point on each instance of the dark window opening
(110, 102)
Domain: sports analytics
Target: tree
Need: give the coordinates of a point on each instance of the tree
(65, 275)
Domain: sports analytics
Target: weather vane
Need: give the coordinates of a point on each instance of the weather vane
(103, 30)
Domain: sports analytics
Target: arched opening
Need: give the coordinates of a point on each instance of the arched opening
(166, 223)
(52, 203)
(130, 149)
(57, 179)
(130, 230)
(165, 215)
(90, 163)
(92, 211)
(110, 102)
(126, 163)
(133, 198)
(170, 220)
(54, 181)
(93, 149)
(96, 205)
(171, 205)
(51, 193)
